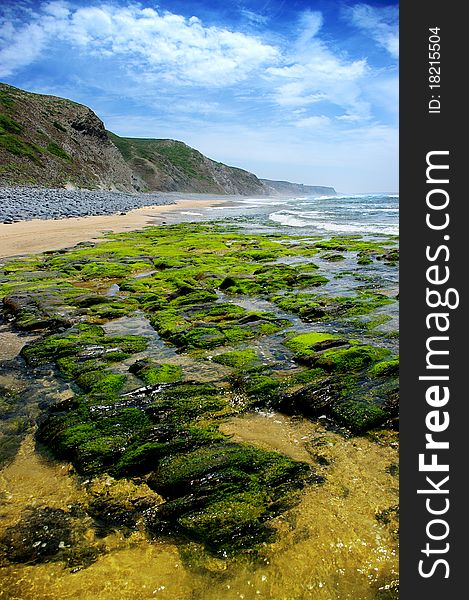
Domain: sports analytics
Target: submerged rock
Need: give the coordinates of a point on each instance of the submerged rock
(120, 502)
(49, 534)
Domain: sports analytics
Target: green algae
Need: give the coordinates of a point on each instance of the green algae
(385, 368)
(153, 373)
(315, 307)
(350, 359)
(333, 257)
(359, 416)
(251, 488)
(83, 354)
(261, 389)
(216, 492)
(82, 342)
(269, 279)
(194, 467)
(215, 326)
(101, 383)
(239, 359)
(305, 344)
(187, 402)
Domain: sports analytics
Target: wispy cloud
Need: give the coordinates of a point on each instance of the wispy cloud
(173, 47)
(381, 23)
(315, 121)
(254, 17)
(315, 72)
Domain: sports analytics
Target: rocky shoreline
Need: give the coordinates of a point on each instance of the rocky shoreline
(26, 203)
(165, 337)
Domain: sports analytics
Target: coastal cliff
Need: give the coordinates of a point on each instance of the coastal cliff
(53, 142)
(286, 188)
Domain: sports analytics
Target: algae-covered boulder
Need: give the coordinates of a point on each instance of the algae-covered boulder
(350, 359)
(153, 372)
(271, 278)
(119, 502)
(168, 434)
(351, 384)
(224, 494)
(41, 310)
(84, 354)
(210, 326)
(239, 359)
(306, 345)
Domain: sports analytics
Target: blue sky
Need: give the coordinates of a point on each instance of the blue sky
(289, 89)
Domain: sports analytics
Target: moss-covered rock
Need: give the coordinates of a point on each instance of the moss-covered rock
(358, 416)
(306, 345)
(49, 534)
(387, 368)
(41, 310)
(350, 359)
(251, 485)
(214, 326)
(84, 354)
(119, 502)
(243, 360)
(152, 372)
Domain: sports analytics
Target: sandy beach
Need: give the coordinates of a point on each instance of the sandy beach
(28, 237)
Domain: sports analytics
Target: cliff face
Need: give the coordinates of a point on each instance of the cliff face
(287, 188)
(53, 142)
(170, 165)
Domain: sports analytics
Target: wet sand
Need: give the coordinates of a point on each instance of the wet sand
(27, 237)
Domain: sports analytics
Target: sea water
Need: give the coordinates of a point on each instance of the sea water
(374, 213)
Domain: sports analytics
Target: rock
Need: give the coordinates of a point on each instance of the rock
(38, 310)
(120, 502)
(48, 534)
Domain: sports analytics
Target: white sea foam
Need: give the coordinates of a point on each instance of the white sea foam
(263, 201)
(192, 214)
(309, 214)
(372, 210)
(289, 220)
(358, 228)
(292, 219)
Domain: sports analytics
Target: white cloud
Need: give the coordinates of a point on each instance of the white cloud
(315, 122)
(19, 48)
(168, 45)
(254, 17)
(314, 73)
(57, 9)
(381, 23)
(310, 24)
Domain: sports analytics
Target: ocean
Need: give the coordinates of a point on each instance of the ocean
(359, 214)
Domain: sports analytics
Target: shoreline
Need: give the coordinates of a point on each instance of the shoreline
(40, 235)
